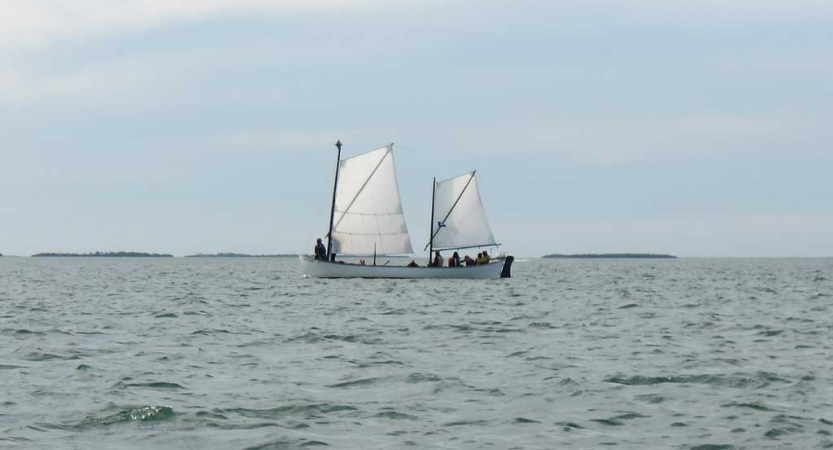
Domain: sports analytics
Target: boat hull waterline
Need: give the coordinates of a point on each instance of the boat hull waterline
(314, 268)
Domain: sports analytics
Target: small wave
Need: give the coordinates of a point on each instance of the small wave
(166, 316)
(776, 433)
(10, 367)
(388, 362)
(620, 419)
(210, 415)
(210, 332)
(307, 410)
(713, 447)
(39, 356)
(283, 445)
(462, 423)
(422, 378)
(347, 384)
(770, 333)
(22, 332)
(608, 422)
(759, 380)
(140, 414)
(394, 415)
(15, 439)
(245, 426)
(628, 306)
(524, 420)
(651, 398)
(312, 338)
(754, 405)
(150, 385)
(567, 426)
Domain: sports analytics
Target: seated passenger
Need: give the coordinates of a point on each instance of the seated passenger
(468, 260)
(482, 258)
(455, 260)
(486, 257)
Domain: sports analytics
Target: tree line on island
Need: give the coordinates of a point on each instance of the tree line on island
(106, 255)
(612, 256)
(155, 255)
(241, 255)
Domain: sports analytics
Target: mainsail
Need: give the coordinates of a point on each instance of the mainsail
(459, 218)
(368, 211)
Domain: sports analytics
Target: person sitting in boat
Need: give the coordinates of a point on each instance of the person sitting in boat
(438, 260)
(454, 261)
(469, 261)
(320, 251)
(482, 258)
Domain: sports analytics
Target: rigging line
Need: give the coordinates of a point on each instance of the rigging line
(363, 186)
(468, 246)
(452, 207)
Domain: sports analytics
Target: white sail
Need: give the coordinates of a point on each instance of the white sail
(368, 211)
(459, 218)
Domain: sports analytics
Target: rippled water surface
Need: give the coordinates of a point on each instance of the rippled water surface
(243, 353)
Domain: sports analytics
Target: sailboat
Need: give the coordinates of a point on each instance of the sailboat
(367, 219)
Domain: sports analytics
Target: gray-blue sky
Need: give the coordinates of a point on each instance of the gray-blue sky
(697, 128)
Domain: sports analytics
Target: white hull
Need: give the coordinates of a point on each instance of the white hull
(321, 269)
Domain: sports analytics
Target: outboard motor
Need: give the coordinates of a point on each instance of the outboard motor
(507, 267)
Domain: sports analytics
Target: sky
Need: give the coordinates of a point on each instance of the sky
(700, 128)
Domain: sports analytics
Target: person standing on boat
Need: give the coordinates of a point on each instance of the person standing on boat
(320, 251)
(438, 259)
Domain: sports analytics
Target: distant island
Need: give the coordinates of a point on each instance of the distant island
(612, 256)
(239, 255)
(106, 255)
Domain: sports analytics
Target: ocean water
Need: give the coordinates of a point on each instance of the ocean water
(245, 354)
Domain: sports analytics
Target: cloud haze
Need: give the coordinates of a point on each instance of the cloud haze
(696, 128)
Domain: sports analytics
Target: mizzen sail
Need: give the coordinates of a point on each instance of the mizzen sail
(459, 218)
(368, 210)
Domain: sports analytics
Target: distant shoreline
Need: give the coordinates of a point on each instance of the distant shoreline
(240, 255)
(610, 256)
(103, 255)
(156, 255)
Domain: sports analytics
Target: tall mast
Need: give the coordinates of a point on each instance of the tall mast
(431, 228)
(333, 210)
